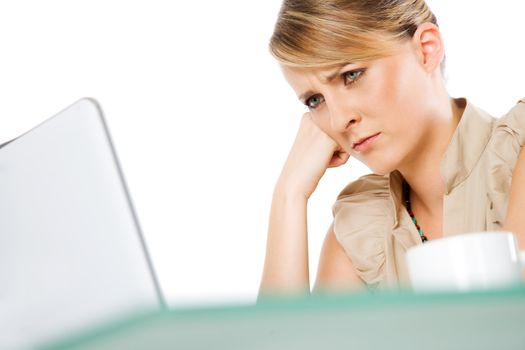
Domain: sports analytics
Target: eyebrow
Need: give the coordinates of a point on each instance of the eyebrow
(327, 79)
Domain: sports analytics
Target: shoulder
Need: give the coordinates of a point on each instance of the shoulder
(508, 137)
(363, 204)
(369, 185)
(366, 195)
(512, 124)
(363, 218)
(500, 159)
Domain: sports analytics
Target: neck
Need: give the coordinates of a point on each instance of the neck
(422, 170)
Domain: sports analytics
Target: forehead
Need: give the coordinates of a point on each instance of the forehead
(304, 78)
(401, 52)
(307, 81)
(319, 73)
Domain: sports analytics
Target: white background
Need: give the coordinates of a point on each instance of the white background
(202, 119)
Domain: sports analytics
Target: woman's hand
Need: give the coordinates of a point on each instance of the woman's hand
(311, 154)
(286, 264)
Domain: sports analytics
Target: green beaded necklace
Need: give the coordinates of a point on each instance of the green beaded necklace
(406, 198)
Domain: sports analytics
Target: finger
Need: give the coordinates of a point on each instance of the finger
(339, 158)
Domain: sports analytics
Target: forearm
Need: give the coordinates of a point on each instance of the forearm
(286, 263)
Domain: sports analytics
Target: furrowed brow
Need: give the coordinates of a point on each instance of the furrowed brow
(334, 74)
(325, 80)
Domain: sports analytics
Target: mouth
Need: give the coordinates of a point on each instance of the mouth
(365, 143)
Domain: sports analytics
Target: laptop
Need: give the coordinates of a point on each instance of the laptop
(72, 255)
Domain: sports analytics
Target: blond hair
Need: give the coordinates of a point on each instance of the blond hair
(311, 33)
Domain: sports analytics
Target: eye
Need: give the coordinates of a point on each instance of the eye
(352, 76)
(314, 101)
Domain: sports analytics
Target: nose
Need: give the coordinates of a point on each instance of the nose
(342, 117)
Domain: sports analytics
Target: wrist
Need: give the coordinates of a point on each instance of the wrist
(291, 190)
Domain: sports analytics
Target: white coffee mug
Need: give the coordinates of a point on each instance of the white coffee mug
(473, 261)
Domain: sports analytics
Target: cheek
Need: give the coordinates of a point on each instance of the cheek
(394, 98)
(397, 87)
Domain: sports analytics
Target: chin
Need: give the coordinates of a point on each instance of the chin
(379, 167)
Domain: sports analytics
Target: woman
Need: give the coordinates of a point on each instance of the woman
(370, 73)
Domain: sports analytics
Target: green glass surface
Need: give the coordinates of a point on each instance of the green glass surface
(383, 320)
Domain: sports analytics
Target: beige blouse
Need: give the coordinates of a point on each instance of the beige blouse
(373, 226)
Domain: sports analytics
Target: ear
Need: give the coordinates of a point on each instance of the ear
(429, 45)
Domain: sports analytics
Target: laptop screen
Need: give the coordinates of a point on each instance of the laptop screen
(71, 251)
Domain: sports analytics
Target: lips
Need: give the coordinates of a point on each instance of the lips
(364, 144)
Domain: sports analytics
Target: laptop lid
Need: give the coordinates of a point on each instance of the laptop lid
(71, 251)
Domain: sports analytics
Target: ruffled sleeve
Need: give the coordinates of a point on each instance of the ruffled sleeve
(363, 216)
(503, 149)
